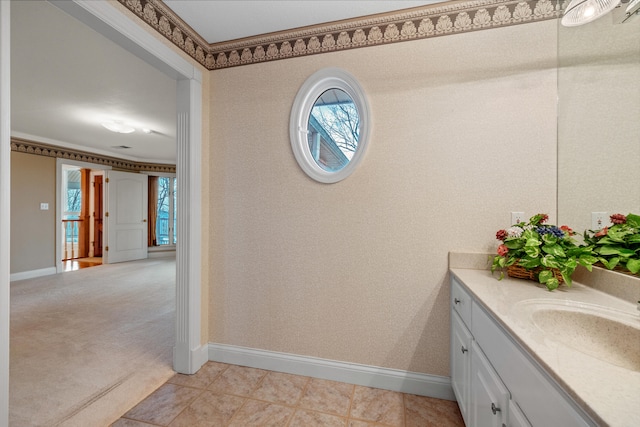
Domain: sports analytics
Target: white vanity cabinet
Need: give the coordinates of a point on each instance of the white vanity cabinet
(482, 397)
(496, 382)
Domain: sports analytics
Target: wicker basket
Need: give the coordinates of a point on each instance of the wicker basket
(520, 272)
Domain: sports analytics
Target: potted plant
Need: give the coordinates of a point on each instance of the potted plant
(617, 246)
(541, 252)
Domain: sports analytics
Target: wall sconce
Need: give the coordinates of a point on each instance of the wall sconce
(583, 11)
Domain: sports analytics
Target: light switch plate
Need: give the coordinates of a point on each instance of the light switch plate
(599, 220)
(44, 206)
(517, 217)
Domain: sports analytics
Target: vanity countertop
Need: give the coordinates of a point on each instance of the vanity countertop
(610, 394)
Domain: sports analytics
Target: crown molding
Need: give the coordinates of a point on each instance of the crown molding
(429, 21)
(41, 149)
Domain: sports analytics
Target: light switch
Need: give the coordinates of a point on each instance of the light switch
(44, 206)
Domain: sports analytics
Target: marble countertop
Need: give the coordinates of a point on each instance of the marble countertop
(609, 393)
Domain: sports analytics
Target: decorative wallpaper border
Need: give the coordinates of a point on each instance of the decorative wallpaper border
(412, 24)
(41, 149)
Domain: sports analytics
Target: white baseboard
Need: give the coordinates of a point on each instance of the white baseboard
(32, 274)
(161, 254)
(352, 373)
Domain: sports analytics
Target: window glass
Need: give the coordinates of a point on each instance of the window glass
(166, 220)
(333, 131)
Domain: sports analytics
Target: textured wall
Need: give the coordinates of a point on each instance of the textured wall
(464, 131)
(32, 230)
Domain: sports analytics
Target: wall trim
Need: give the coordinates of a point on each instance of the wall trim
(5, 205)
(31, 274)
(353, 373)
(21, 145)
(452, 17)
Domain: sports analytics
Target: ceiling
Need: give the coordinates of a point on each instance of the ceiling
(223, 20)
(66, 78)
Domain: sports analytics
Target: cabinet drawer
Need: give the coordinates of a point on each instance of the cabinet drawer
(461, 301)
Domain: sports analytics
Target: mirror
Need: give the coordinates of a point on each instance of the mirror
(598, 120)
(329, 126)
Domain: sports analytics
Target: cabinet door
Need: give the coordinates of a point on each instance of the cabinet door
(516, 416)
(489, 396)
(461, 363)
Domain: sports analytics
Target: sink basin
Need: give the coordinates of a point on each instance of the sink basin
(610, 335)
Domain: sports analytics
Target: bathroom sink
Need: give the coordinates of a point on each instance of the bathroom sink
(610, 335)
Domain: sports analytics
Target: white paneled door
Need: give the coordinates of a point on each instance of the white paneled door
(125, 218)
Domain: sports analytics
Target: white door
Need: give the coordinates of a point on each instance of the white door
(125, 217)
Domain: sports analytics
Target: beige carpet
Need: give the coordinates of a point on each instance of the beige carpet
(87, 345)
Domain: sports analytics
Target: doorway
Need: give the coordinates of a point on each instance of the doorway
(189, 353)
(81, 206)
(80, 214)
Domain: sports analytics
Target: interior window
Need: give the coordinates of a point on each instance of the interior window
(162, 220)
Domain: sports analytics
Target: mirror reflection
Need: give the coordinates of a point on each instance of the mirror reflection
(598, 120)
(333, 130)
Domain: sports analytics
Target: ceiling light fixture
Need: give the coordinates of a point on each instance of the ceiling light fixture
(580, 12)
(118, 127)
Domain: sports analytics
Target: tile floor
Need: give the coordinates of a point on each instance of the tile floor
(230, 395)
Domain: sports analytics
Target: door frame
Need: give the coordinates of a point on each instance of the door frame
(5, 208)
(59, 206)
(189, 353)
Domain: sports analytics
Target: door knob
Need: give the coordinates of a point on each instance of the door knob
(494, 408)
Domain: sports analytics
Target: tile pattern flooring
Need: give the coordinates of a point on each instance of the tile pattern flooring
(230, 395)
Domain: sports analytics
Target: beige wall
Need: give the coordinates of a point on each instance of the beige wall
(464, 131)
(32, 230)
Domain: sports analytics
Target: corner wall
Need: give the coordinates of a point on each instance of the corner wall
(464, 131)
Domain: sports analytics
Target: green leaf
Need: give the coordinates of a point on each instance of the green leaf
(555, 250)
(514, 244)
(567, 278)
(587, 260)
(530, 263)
(532, 242)
(611, 263)
(552, 284)
(627, 253)
(549, 261)
(609, 250)
(633, 265)
(635, 238)
(633, 220)
(604, 241)
(544, 276)
(532, 251)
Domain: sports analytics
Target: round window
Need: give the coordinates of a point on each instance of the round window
(329, 125)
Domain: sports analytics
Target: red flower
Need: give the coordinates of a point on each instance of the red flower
(618, 219)
(503, 250)
(567, 230)
(602, 232)
(545, 217)
(501, 235)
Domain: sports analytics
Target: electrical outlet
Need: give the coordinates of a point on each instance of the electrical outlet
(44, 206)
(517, 217)
(599, 220)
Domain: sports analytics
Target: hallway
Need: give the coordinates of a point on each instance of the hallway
(88, 344)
